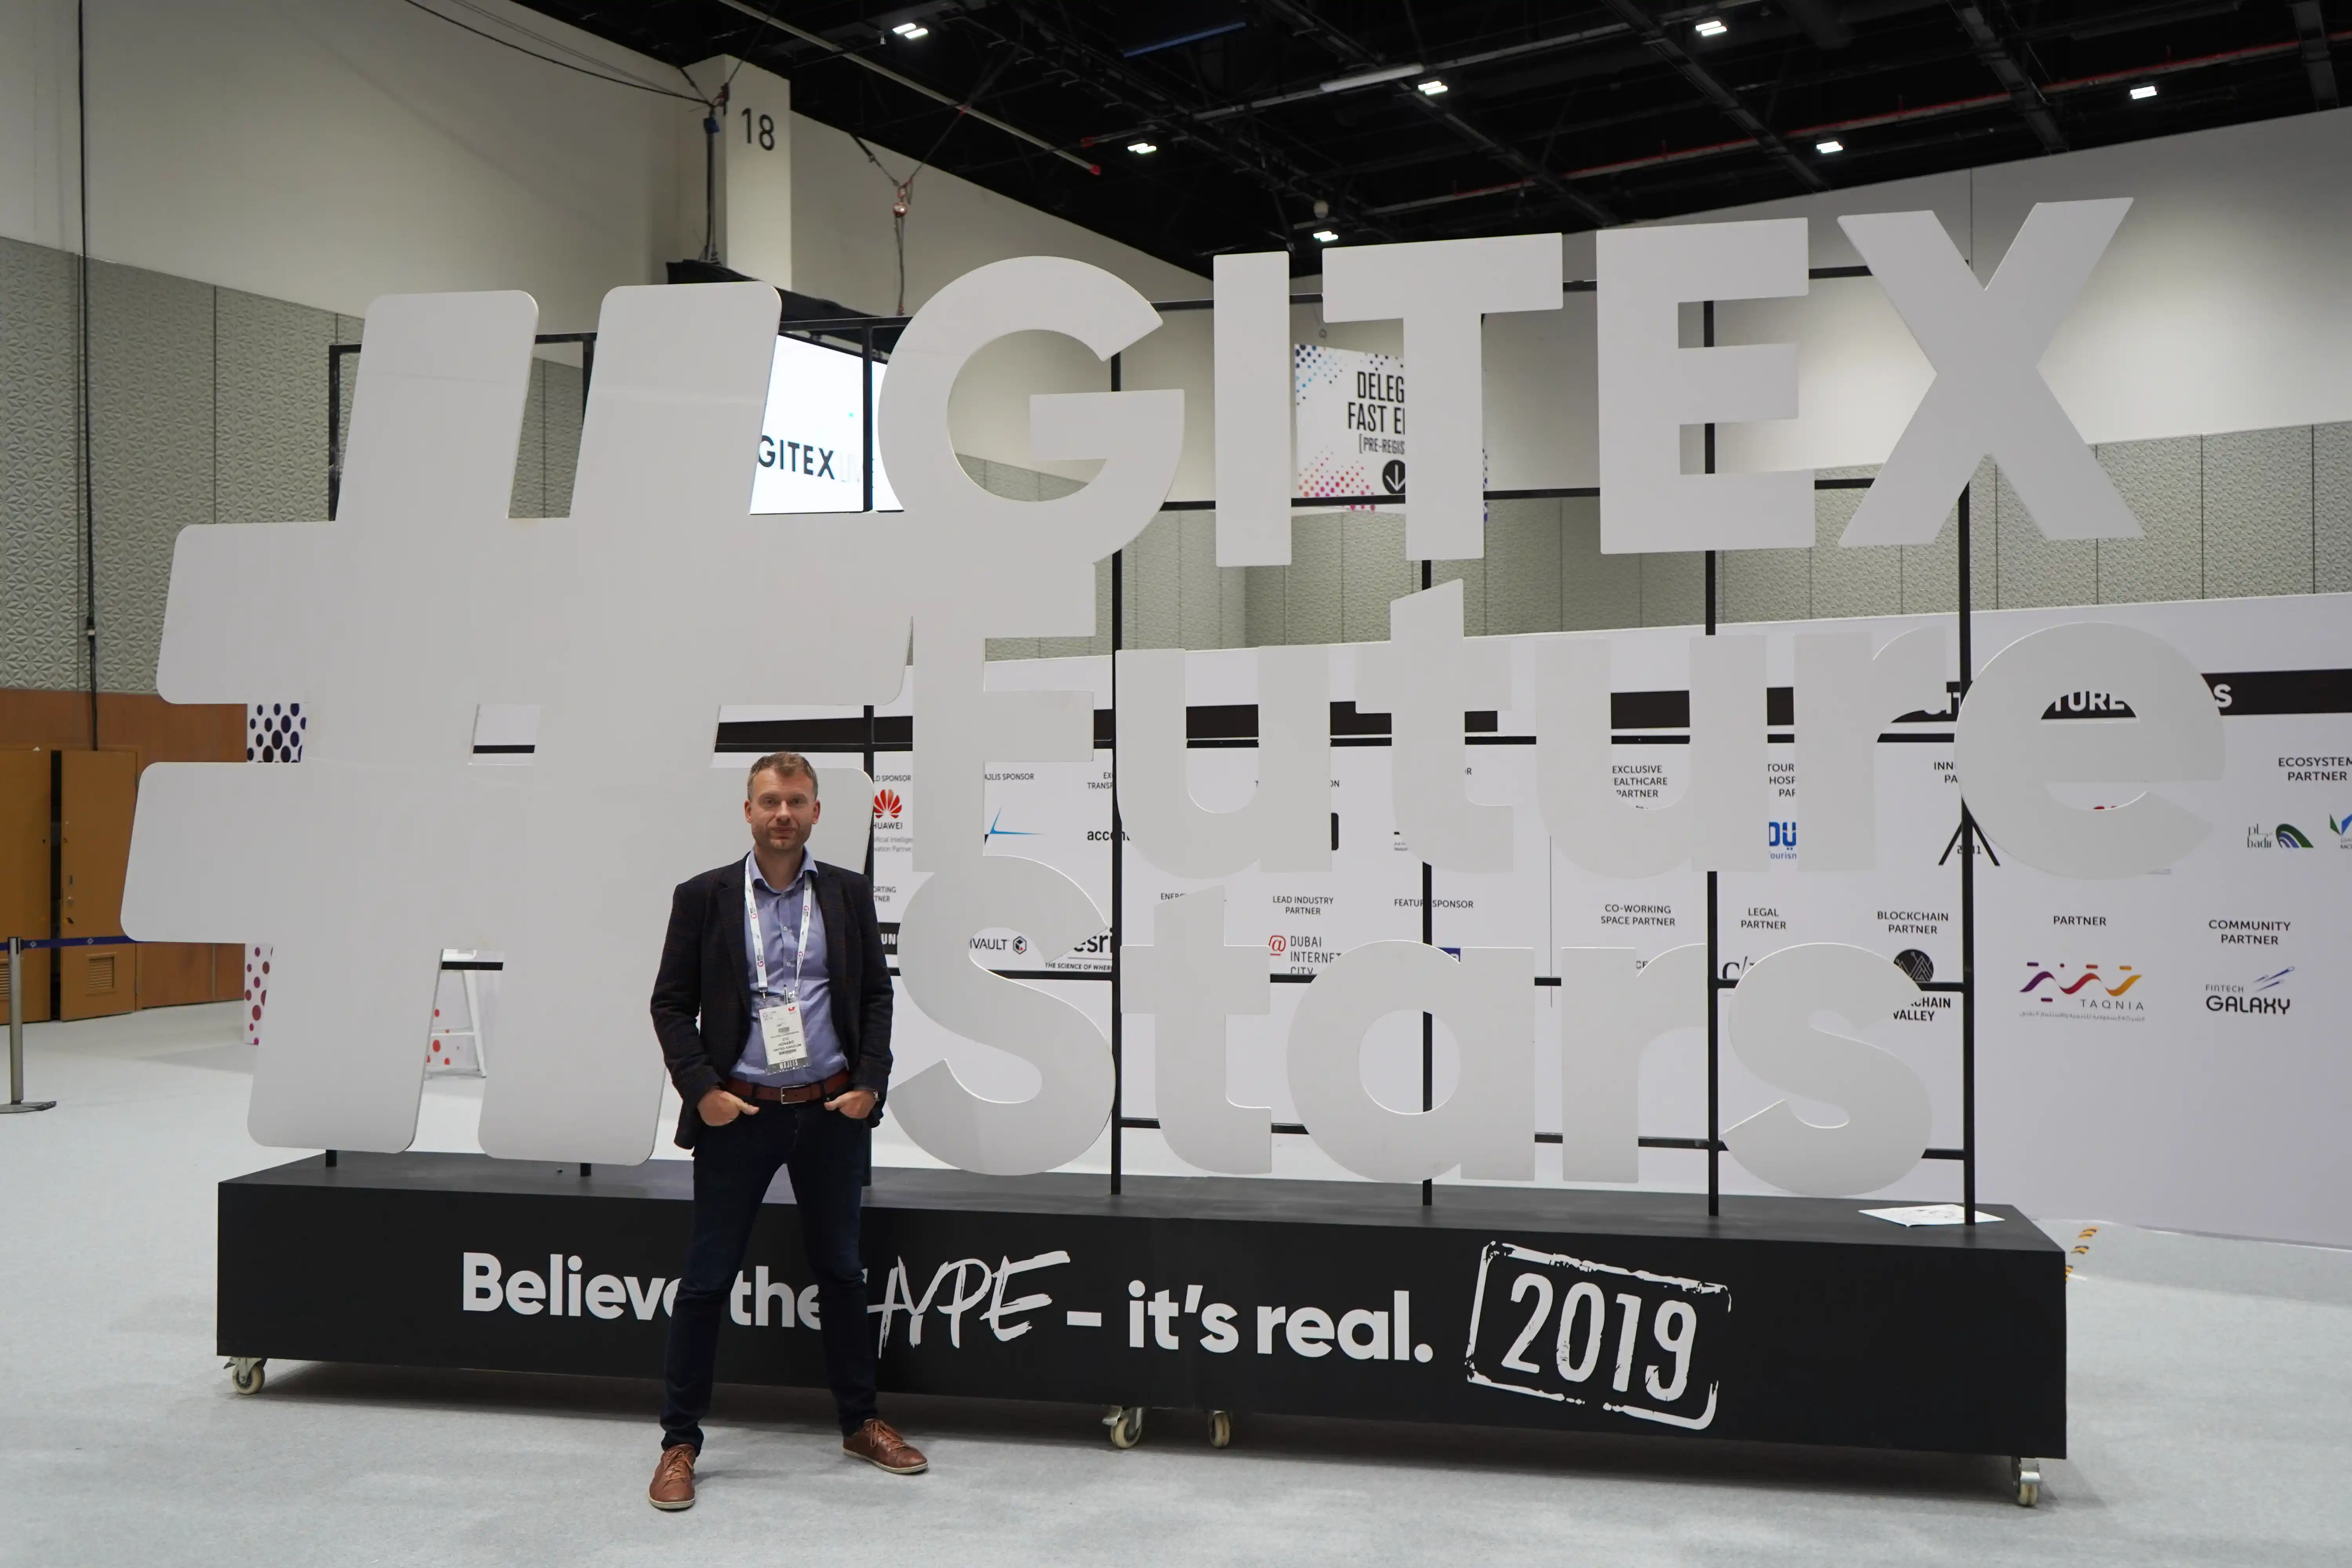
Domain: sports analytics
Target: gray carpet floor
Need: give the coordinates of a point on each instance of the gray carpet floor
(2211, 1418)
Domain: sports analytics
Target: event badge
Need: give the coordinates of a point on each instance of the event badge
(787, 1042)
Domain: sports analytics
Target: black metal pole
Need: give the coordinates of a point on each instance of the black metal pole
(1117, 869)
(1713, 959)
(865, 362)
(869, 799)
(1967, 595)
(1428, 1023)
(587, 369)
(334, 428)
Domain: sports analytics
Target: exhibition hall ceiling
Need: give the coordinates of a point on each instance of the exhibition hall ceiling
(1187, 127)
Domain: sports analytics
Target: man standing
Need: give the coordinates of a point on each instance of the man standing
(773, 1009)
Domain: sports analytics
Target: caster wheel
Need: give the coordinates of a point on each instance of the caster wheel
(2028, 1474)
(1220, 1429)
(246, 1375)
(1125, 1424)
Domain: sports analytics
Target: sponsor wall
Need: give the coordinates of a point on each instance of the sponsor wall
(2164, 1050)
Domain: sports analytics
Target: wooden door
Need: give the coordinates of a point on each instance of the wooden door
(24, 869)
(97, 793)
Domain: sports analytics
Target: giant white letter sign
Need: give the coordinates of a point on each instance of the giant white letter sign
(1651, 388)
(2007, 754)
(1845, 696)
(1988, 396)
(984, 566)
(1611, 1014)
(1427, 675)
(1486, 1125)
(1772, 1030)
(1719, 823)
(1282, 828)
(1191, 983)
(389, 625)
(1442, 289)
(1251, 331)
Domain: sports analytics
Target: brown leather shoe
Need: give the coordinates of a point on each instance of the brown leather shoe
(882, 1447)
(672, 1487)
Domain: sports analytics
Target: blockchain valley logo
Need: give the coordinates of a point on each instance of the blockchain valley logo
(2107, 992)
(2264, 996)
(2285, 836)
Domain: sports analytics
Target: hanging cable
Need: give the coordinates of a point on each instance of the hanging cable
(89, 489)
(551, 60)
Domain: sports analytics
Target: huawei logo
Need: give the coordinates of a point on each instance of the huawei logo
(887, 803)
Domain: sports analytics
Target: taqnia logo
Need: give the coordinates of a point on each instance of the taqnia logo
(2058, 991)
(888, 805)
(2265, 998)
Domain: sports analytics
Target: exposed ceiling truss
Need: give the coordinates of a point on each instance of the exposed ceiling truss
(1187, 127)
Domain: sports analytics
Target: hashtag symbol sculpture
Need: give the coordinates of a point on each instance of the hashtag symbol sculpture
(629, 625)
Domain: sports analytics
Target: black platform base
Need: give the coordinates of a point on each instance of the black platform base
(1785, 1319)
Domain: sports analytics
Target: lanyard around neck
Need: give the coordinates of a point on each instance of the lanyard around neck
(759, 943)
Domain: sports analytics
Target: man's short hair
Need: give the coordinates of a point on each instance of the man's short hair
(784, 765)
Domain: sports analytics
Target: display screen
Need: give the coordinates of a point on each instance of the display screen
(811, 451)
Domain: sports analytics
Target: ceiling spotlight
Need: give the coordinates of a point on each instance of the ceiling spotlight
(1713, 27)
(1832, 145)
(1139, 147)
(2145, 90)
(1325, 236)
(911, 31)
(1432, 87)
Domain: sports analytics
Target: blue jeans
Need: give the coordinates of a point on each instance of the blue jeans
(826, 1153)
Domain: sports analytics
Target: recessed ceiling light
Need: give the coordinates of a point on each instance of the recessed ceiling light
(1139, 147)
(1432, 87)
(1713, 27)
(1325, 236)
(911, 30)
(2145, 90)
(1832, 145)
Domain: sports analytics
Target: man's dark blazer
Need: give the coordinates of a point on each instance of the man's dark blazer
(703, 996)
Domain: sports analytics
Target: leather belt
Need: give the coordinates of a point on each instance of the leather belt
(797, 1094)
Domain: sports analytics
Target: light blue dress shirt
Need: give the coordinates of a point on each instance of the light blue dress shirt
(779, 931)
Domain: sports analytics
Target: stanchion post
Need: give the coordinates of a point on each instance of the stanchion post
(1118, 868)
(1968, 900)
(1428, 1023)
(16, 1101)
(1714, 963)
